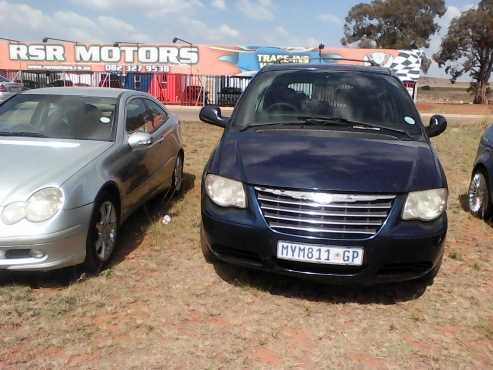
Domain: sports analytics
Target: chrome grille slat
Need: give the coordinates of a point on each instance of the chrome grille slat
(321, 230)
(324, 215)
(322, 222)
(386, 205)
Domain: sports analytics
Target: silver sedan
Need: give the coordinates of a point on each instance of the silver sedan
(9, 88)
(75, 163)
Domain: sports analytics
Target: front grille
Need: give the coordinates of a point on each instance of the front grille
(324, 215)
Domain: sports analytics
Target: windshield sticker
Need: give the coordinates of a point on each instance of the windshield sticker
(105, 120)
(409, 120)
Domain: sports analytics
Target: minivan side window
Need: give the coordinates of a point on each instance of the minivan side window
(136, 116)
(156, 116)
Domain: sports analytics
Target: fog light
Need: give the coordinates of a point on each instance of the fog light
(36, 254)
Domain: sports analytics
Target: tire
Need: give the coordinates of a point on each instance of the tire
(478, 196)
(178, 174)
(102, 236)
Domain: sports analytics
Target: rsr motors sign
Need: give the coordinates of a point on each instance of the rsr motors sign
(192, 59)
(105, 54)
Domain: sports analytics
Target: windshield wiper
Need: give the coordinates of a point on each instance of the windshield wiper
(277, 123)
(347, 122)
(21, 133)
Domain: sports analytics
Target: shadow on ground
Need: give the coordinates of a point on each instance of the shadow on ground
(318, 292)
(131, 236)
(134, 229)
(464, 202)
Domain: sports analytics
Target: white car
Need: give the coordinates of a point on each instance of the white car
(9, 88)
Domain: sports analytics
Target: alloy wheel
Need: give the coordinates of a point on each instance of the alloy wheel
(106, 229)
(477, 193)
(178, 174)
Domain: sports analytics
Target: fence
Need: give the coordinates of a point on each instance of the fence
(170, 88)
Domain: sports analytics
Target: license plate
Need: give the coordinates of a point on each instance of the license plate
(319, 254)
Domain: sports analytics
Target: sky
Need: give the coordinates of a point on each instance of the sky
(245, 22)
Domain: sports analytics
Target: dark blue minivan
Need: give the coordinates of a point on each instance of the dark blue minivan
(326, 172)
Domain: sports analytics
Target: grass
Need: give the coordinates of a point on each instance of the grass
(160, 305)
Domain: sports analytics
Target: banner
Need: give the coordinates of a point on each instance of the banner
(194, 59)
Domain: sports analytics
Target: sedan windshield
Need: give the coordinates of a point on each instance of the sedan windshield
(58, 117)
(361, 100)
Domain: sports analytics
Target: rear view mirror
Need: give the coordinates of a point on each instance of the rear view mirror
(438, 124)
(139, 139)
(212, 114)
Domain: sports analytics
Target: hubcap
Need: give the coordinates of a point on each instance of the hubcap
(106, 229)
(178, 174)
(477, 192)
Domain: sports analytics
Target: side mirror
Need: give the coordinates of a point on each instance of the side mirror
(212, 114)
(139, 139)
(438, 124)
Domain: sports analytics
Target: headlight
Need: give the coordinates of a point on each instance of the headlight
(13, 213)
(425, 205)
(41, 206)
(225, 192)
(44, 204)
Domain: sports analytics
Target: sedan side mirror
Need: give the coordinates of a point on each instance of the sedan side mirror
(139, 139)
(212, 114)
(438, 124)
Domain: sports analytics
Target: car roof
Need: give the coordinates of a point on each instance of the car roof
(336, 67)
(99, 92)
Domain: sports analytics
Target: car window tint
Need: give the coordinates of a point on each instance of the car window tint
(156, 116)
(136, 115)
(21, 112)
(372, 98)
(58, 116)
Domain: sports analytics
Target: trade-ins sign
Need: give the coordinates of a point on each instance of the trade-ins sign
(196, 59)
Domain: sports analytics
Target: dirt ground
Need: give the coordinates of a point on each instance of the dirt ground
(159, 305)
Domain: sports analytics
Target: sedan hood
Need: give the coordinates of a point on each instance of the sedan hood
(328, 160)
(30, 163)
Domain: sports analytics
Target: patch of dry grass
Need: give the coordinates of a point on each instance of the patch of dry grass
(160, 305)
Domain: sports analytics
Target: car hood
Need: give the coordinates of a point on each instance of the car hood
(30, 163)
(328, 160)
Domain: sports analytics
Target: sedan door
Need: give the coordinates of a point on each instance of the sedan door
(143, 161)
(162, 130)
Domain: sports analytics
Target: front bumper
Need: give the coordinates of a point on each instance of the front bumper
(48, 250)
(400, 251)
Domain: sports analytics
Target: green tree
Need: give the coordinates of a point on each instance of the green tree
(394, 24)
(467, 48)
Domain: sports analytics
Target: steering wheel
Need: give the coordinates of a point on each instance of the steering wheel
(282, 107)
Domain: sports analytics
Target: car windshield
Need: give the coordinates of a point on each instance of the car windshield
(321, 97)
(59, 117)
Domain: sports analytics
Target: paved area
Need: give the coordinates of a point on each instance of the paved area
(192, 114)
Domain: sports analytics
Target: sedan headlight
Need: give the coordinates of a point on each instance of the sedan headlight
(225, 192)
(13, 213)
(425, 205)
(41, 206)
